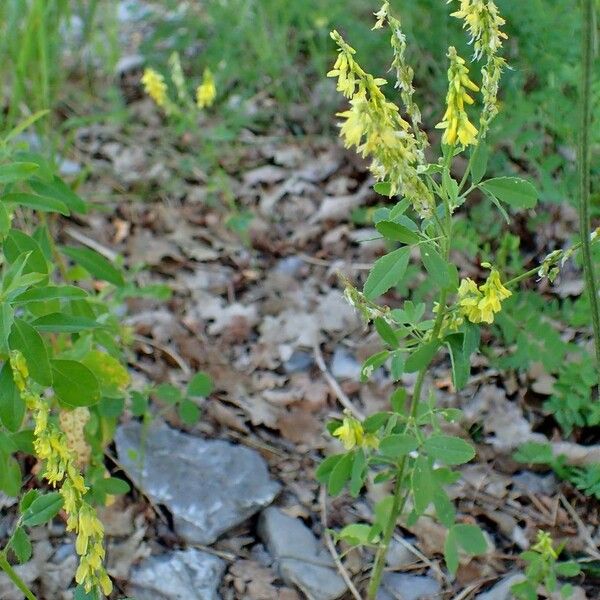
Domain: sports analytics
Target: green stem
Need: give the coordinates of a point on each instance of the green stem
(400, 497)
(14, 577)
(584, 164)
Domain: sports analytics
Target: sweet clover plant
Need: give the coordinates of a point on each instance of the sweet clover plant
(64, 380)
(407, 447)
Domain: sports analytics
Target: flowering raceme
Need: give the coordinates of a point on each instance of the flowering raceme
(155, 87)
(479, 304)
(455, 121)
(375, 127)
(206, 91)
(483, 22)
(51, 447)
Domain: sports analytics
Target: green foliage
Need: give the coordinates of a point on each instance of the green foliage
(543, 570)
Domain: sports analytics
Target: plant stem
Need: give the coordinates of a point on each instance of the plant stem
(399, 497)
(584, 160)
(14, 577)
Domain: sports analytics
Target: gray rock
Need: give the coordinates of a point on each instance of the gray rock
(301, 560)
(209, 486)
(290, 265)
(399, 555)
(536, 484)
(501, 591)
(402, 586)
(180, 575)
(344, 365)
(298, 362)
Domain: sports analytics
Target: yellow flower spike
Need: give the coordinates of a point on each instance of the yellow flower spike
(51, 447)
(374, 126)
(207, 90)
(155, 87)
(455, 121)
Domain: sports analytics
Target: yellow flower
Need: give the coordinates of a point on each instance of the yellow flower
(480, 304)
(374, 126)
(206, 91)
(544, 545)
(52, 448)
(483, 22)
(352, 434)
(455, 120)
(155, 87)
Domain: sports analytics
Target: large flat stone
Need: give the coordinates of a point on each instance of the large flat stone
(300, 558)
(404, 586)
(209, 486)
(180, 575)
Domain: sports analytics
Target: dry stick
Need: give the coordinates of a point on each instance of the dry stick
(584, 167)
(583, 531)
(334, 385)
(331, 547)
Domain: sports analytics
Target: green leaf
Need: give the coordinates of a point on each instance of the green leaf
(470, 538)
(461, 365)
(421, 357)
(448, 449)
(534, 453)
(10, 476)
(397, 365)
(21, 545)
(53, 292)
(62, 323)
(95, 264)
(386, 333)
(479, 160)
(16, 171)
(112, 376)
(7, 317)
(35, 202)
(357, 476)
(386, 273)
(398, 445)
(74, 384)
(443, 274)
(27, 500)
(372, 364)
(327, 465)
(18, 243)
(29, 342)
(384, 188)
(395, 232)
(444, 509)
(356, 534)
(568, 569)
(340, 474)
(189, 412)
(112, 486)
(516, 192)
(451, 553)
(12, 407)
(58, 189)
(423, 485)
(200, 386)
(43, 509)
(375, 422)
(168, 393)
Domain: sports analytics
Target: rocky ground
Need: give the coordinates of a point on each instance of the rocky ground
(230, 508)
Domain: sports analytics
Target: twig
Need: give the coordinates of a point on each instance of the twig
(334, 385)
(583, 530)
(331, 547)
(91, 243)
(165, 350)
(432, 565)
